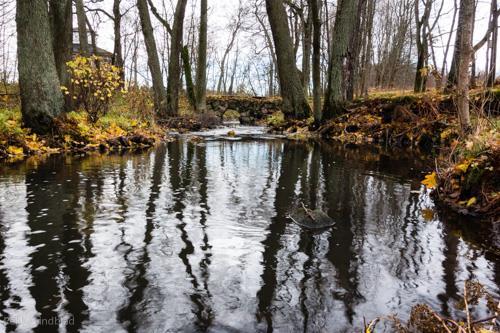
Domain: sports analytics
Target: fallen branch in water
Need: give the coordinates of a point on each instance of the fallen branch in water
(308, 212)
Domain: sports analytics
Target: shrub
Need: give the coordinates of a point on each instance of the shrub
(10, 123)
(140, 102)
(94, 82)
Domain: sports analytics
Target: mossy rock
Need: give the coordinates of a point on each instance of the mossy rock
(311, 219)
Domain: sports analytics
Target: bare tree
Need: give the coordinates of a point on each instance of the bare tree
(201, 68)
(174, 70)
(292, 92)
(82, 27)
(464, 55)
(316, 60)
(235, 27)
(422, 25)
(344, 26)
(160, 96)
(492, 68)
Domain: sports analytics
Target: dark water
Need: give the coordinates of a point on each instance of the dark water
(190, 238)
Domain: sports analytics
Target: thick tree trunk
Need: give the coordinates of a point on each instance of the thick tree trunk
(464, 56)
(62, 33)
(201, 69)
(174, 70)
(316, 60)
(82, 28)
(344, 26)
(160, 97)
(292, 92)
(61, 16)
(41, 97)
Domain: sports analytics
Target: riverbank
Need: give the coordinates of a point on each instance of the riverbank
(464, 176)
(466, 170)
(74, 133)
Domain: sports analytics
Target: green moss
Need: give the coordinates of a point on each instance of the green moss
(277, 120)
(10, 122)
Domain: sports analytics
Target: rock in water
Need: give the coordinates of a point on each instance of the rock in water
(311, 219)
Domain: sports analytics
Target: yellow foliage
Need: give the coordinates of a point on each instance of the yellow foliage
(472, 201)
(15, 151)
(94, 83)
(463, 166)
(430, 181)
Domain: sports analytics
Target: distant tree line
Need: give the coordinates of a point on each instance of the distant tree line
(332, 51)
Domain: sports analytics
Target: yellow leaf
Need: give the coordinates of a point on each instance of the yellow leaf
(472, 201)
(430, 181)
(12, 150)
(463, 167)
(428, 214)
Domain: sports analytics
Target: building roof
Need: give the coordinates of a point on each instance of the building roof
(99, 52)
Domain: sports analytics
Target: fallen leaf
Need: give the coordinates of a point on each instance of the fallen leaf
(428, 214)
(430, 181)
(472, 201)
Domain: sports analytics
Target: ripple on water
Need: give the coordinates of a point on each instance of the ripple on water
(195, 238)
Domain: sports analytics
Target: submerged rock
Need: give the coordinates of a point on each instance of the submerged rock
(311, 219)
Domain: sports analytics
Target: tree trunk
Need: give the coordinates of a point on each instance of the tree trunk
(344, 26)
(354, 50)
(153, 61)
(294, 102)
(464, 56)
(117, 50)
(189, 77)
(316, 60)
(492, 70)
(62, 33)
(174, 70)
(453, 73)
(82, 28)
(367, 48)
(61, 16)
(306, 52)
(201, 68)
(473, 55)
(41, 97)
(271, 79)
(422, 45)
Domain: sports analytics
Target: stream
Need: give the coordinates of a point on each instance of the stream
(195, 237)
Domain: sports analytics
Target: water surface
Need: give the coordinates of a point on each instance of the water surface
(194, 237)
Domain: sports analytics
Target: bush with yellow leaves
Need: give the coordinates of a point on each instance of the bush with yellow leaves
(94, 82)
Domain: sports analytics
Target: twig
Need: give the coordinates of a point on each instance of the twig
(484, 319)
(308, 212)
(467, 312)
(442, 322)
